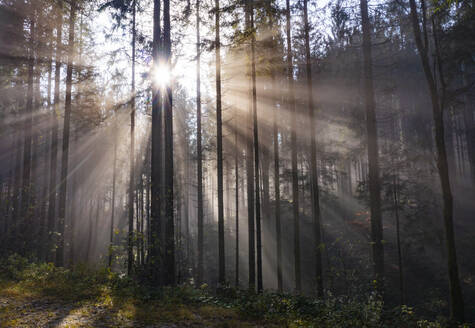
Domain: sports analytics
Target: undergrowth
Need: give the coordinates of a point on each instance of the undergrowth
(186, 304)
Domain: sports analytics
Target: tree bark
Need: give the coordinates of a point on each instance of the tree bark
(455, 298)
(256, 152)
(54, 138)
(199, 148)
(278, 234)
(236, 204)
(293, 146)
(373, 156)
(219, 152)
(169, 260)
(27, 143)
(131, 191)
(314, 188)
(65, 146)
(114, 175)
(156, 165)
(250, 183)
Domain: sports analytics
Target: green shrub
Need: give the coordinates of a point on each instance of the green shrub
(83, 283)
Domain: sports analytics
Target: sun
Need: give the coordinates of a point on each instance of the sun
(161, 75)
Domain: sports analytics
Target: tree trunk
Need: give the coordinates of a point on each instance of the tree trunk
(250, 183)
(27, 131)
(469, 124)
(45, 192)
(54, 138)
(156, 169)
(89, 233)
(114, 174)
(73, 201)
(293, 146)
(373, 156)
(236, 205)
(219, 151)
(398, 239)
(169, 260)
(256, 152)
(198, 145)
(456, 298)
(130, 241)
(65, 148)
(314, 188)
(17, 182)
(278, 235)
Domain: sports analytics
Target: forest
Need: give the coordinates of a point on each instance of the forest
(237, 163)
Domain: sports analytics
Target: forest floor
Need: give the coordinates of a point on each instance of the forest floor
(24, 307)
(42, 295)
(20, 311)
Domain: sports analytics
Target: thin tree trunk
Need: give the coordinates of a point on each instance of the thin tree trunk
(95, 231)
(278, 235)
(314, 188)
(373, 157)
(73, 208)
(32, 228)
(186, 205)
(250, 182)
(75, 172)
(219, 152)
(45, 191)
(256, 152)
(198, 145)
(52, 193)
(27, 131)
(65, 146)
(16, 185)
(293, 146)
(147, 259)
(114, 174)
(469, 124)
(130, 242)
(398, 239)
(236, 171)
(89, 234)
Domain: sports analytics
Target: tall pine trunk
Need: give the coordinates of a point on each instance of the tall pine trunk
(236, 201)
(27, 143)
(114, 176)
(156, 165)
(219, 151)
(66, 131)
(278, 234)
(47, 156)
(250, 179)
(256, 151)
(293, 145)
(130, 242)
(455, 298)
(373, 156)
(169, 258)
(314, 188)
(52, 193)
(198, 146)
